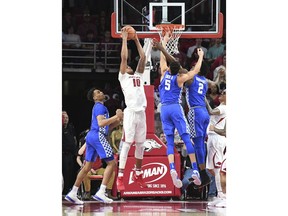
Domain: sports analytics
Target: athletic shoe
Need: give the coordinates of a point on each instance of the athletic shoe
(73, 199)
(102, 198)
(221, 195)
(86, 196)
(205, 179)
(196, 177)
(120, 183)
(139, 180)
(176, 181)
(215, 202)
(221, 204)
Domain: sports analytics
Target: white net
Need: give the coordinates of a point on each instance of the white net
(176, 31)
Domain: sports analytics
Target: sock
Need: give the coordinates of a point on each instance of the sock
(102, 188)
(194, 166)
(172, 166)
(75, 189)
(138, 171)
(120, 173)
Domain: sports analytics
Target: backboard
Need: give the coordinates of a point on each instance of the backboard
(201, 18)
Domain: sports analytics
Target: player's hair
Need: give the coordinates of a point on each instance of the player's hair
(204, 70)
(174, 67)
(90, 94)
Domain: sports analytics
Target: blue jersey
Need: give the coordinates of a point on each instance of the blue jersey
(196, 92)
(99, 109)
(169, 90)
(172, 113)
(96, 139)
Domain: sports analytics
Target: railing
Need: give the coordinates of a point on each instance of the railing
(90, 57)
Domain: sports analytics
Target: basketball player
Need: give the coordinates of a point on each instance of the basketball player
(216, 143)
(198, 117)
(134, 122)
(172, 114)
(97, 144)
(221, 202)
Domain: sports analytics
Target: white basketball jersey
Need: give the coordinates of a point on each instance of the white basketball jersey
(218, 120)
(133, 90)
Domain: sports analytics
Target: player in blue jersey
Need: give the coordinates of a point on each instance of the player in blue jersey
(198, 117)
(97, 144)
(172, 114)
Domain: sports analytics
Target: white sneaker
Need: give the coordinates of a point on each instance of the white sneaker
(196, 177)
(176, 181)
(215, 202)
(221, 204)
(221, 195)
(102, 198)
(73, 199)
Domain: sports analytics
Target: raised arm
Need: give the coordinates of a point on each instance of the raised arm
(124, 51)
(221, 132)
(116, 118)
(184, 77)
(211, 111)
(164, 55)
(142, 60)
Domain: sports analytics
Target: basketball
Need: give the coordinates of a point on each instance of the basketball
(131, 32)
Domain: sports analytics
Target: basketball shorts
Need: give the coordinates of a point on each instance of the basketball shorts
(215, 150)
(198, 119)
(97, 144)
(134, 126)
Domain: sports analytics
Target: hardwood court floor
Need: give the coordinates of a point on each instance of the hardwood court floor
(142, 208)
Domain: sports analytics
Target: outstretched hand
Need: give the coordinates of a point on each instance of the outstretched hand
(157, 44)
(200, 52)
(124, 33)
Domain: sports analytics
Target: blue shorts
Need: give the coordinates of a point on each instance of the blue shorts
(198, 119)
(173, 116)
(97, 144)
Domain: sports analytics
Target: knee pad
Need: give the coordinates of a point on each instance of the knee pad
(139, 150)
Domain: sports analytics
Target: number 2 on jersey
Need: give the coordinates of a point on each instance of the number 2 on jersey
(200, 88)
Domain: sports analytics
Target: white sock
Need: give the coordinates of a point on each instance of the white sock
(123, 155)
(74, 189)
(217, 179)
(102, 188)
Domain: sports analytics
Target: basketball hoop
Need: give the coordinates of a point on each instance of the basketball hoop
(175, 31)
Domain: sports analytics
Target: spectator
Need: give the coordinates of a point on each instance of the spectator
(71, 39)
(219, 61)
(215, 51)
(67, 21)
(162, 137)
(86, 26)
(213, 95)
(69, 152)
(220, 78)
(155, 56)
(222, 65)
(116, 136)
